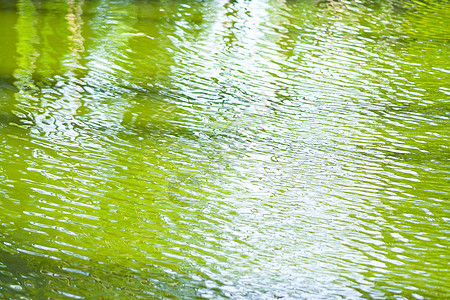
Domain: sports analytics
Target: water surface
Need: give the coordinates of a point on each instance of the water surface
(244, 149)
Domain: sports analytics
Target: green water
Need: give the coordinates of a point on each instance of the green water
(243, 149)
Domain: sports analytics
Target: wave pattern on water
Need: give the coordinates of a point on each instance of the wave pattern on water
(224, 149)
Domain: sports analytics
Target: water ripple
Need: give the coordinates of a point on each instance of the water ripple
(224, 149)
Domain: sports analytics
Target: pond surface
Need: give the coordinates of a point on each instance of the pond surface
(244, 149)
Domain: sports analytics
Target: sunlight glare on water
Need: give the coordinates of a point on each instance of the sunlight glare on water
(244, 149)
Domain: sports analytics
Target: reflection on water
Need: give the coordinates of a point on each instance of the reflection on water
(224, 149)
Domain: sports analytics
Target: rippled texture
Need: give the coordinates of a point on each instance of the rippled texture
(244, 149)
